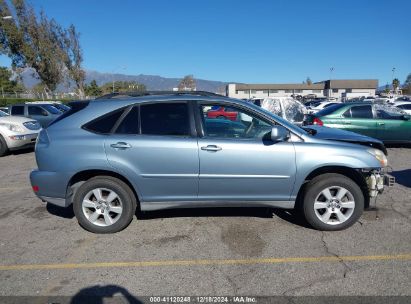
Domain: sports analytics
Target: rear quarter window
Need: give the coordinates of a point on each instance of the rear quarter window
(17, 110)
(331, 109)
(105, 123)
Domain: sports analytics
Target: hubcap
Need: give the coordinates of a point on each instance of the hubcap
(334, 205)
(102, 207)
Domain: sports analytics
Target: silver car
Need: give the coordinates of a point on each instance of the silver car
(17, 132)
(156, 151)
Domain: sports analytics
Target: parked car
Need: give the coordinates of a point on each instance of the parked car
(222, 113)
(285, 107)
(383, 122)
(44, 113)
(57, 104)
(320, 106)
(403, 106)
(5, 109)
(160, 151)
(17, 133)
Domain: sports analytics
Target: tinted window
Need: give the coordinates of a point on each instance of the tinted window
(17, 110)
(34, 110)
(129, 125)
(405, 106)
(330, 109)
(51, 109)
(361, 112)
(165, 119)
(105, 123)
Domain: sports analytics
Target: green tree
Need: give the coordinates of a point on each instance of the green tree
(395, 84)
(407, 85)
(188, 83)
(6, 84)
(387, 89)
(92, 89)
(309, 81)
(123, 86)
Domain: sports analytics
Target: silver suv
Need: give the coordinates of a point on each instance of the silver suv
(154, 151)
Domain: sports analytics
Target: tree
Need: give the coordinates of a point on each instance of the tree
(92, 89)
(308, 81)
(387, 89)
(6, 84)
(123, 86)
(407, 85)
(395, 84)
(187, 84)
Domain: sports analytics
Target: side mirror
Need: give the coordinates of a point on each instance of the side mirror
(406, 117)
(279, 133)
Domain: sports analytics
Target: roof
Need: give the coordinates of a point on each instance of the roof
(353, 84)
(283, 86)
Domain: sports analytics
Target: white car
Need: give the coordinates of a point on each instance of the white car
(285, 107)
(404, 106)
(17, 132)
(320, 106)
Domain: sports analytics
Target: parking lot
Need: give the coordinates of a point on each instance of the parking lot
(202, 252)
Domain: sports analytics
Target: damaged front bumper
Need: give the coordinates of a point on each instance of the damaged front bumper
(376, 180)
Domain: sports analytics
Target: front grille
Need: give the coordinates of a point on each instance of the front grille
(32, 125)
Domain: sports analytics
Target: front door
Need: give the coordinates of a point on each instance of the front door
(360, 119)
(239, 163)
(154, 145)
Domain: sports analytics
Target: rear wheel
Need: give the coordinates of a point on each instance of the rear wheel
(104, 205)
(3, 146)
(332, 202)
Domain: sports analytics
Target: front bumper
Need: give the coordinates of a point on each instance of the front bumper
(21, 141)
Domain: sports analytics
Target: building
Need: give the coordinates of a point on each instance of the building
(328, 88)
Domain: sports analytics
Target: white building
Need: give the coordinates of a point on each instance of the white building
(327, 88)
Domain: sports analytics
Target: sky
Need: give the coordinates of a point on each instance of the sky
(282, 41)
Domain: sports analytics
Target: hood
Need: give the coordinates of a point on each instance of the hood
(326, 133)
(15, 119)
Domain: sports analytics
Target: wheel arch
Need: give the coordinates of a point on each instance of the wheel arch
(353, 174)
(81, 177)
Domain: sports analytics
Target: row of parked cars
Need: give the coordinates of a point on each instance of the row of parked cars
(20, 124)
(386, 121)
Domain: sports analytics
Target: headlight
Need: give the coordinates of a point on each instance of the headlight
(379, 155)
(12, 127)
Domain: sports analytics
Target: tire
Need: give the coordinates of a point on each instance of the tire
(104, 204)
(3, 147)
(342, 208)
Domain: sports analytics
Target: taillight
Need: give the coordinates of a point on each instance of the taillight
(317, 121)
(36, 188)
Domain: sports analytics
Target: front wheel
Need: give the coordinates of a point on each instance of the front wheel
(3, 146)
(332, 202)
(104, 205)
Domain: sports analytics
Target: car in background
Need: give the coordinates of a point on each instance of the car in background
(285, 107)
(17, 133)
(120, 150)
(44, 113)
(320, 106)
(384, 122)
(403, 106)
(5, 109)
(222, 113)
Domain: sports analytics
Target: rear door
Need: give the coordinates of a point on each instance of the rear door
(360, 119)
(154, 143)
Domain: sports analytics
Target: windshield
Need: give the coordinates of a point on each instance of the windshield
(61, 107)
(330, 109)
(51, 109)
(2, 114)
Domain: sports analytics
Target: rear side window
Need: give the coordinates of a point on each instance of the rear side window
(105, 123)
(165, 119)
(361, 112)
(130, 123)
(17, 110)
(35, 110)
(331, 109)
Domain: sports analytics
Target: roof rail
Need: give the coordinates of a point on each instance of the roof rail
(150, 93)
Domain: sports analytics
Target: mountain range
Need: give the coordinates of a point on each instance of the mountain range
(152, 82)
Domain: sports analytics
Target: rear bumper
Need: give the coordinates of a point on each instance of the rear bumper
(50, 186)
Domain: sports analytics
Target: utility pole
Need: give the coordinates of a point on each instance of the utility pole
(392, 80)
(331, 75)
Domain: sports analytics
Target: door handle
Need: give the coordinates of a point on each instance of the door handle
(212, 148)
(380, 123)
(121, 145)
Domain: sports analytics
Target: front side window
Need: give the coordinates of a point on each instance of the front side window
(17, 110)
(244, 126)
(361, 112)
(165, 119)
